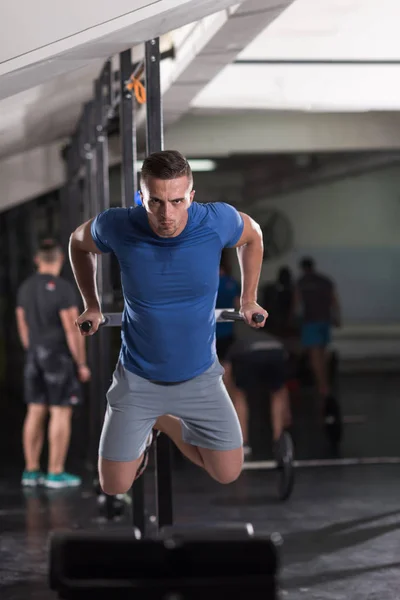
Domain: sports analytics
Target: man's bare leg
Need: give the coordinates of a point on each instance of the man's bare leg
(223, 466)
(280, 412)
(33, 435)
(239, 401)
(59, 437)
(172, 427)
(318, 362)
(117, 477)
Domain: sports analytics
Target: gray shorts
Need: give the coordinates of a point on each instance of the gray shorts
(206, 411)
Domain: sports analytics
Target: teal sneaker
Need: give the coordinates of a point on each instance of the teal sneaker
(62, 480)
(32, 478)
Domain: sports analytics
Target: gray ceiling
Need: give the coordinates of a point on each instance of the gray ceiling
(32, 114)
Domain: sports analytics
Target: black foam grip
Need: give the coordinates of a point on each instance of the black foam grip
(257, 318)
(86, 326)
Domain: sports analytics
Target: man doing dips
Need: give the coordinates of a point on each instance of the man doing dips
(168, 377)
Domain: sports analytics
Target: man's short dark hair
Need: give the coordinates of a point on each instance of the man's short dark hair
(168, 164)
(307, 263)
(49, 250)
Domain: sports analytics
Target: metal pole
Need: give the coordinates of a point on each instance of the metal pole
(102, 198)
(70, 211)
(102, 92)
(154, 123)
(155, 143)
(128, 189)
(85, 148)
(127, 132)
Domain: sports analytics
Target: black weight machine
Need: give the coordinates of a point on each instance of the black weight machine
(177, 562)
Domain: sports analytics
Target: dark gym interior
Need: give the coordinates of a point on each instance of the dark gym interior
(330, 194)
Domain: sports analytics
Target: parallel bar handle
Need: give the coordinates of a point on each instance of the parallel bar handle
(114, 319)
(227, 315)
(86, 326)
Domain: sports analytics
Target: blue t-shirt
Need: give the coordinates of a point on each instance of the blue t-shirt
(228, 290)
(170, 287)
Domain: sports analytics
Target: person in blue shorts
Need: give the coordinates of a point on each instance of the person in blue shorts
(168, 376)
(317, 302)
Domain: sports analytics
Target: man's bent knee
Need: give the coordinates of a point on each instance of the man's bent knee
(226, 477)
(112, 488)
(223, 466)
(117, 477)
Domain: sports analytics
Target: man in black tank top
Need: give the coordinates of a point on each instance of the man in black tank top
(55, 362)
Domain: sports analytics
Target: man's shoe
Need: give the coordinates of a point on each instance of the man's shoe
(32, 478)
(62, 480)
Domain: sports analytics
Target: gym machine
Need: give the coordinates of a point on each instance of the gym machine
(178, 561)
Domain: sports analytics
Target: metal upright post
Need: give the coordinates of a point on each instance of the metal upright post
(155, 143)
(102, 101)
(86, 148)
(128, 188)
(154, 116)
(102, 93)
(70, 202)
(85, 141)
(127, 111)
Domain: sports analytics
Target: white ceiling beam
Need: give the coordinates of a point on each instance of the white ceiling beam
(230, 33)
(241, 132)
(98, 40)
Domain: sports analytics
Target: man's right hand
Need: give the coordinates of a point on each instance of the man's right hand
(95, 316)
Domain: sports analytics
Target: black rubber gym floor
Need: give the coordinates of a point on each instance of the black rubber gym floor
(340, 529)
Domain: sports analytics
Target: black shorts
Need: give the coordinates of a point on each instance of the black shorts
(50, 378)
(267, 368)
(223, 344)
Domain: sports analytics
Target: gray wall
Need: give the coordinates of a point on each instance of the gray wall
(350, 226)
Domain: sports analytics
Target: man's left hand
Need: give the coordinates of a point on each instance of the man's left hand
(84, 373)
(248, 309)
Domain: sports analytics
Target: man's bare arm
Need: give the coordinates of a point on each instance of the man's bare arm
(22, 326)
(83, 257)
(76, 343)
(250, 250)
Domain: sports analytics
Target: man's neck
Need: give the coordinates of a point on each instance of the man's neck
(49, 270)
